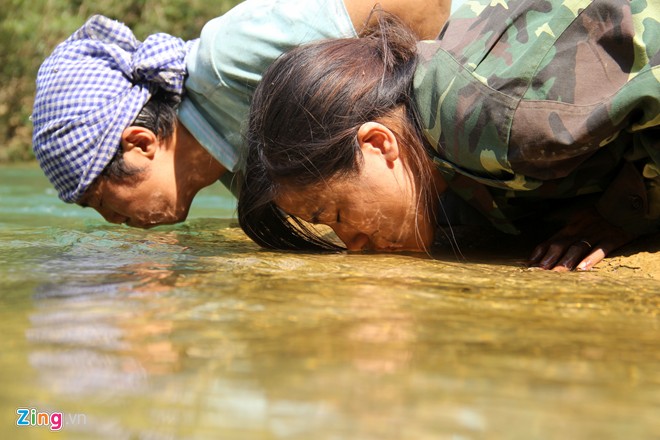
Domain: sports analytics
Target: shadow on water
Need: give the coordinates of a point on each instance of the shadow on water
(192, 332)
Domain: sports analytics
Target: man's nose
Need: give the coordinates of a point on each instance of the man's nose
(111, 216)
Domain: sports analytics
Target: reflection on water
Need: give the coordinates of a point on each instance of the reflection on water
(192, 332)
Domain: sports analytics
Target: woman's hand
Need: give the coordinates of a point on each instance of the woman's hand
(580, 245)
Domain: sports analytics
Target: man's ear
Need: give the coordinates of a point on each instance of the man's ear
(376, 138)
(139, 140)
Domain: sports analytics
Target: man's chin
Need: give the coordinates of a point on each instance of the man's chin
(152, 223)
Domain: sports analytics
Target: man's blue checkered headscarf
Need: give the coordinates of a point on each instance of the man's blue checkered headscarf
(89, 90)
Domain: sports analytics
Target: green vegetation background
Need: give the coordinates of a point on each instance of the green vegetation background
(30, 30)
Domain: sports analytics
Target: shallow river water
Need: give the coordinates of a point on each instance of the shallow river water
(193, 332)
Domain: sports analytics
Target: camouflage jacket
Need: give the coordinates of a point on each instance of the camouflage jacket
(527, 101)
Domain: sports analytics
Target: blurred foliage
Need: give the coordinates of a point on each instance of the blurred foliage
(30, 30)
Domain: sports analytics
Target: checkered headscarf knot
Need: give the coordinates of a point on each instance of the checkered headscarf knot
(89, 90)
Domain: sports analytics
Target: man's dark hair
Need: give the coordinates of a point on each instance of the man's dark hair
(157, 115)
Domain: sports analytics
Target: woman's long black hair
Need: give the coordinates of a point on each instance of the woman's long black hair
(304, 119)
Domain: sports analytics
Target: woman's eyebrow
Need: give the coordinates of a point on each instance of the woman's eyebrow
(316, 214)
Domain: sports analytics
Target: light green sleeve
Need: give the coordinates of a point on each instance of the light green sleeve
(227, 62)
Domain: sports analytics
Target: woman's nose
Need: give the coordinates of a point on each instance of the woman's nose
(354, 240)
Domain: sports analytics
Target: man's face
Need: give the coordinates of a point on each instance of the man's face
(171, 173)
(148, 199)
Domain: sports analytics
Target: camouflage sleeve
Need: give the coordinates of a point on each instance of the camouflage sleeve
(549, 99)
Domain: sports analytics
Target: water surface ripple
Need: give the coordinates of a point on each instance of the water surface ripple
(192, 332)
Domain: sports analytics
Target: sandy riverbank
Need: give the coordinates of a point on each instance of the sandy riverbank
(640, 259)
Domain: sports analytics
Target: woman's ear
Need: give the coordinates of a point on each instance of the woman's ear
(376, 138)
(139, 140)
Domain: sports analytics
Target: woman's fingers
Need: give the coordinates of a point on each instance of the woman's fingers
(564, 254)
(580, 244)
(560, 257)
(538, 253)
(556, 250)
(578, 256)
(574, 254)
(560, 254)
(604, 248)
(592, 259)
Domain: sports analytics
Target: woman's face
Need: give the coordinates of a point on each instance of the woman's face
(378, 209)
